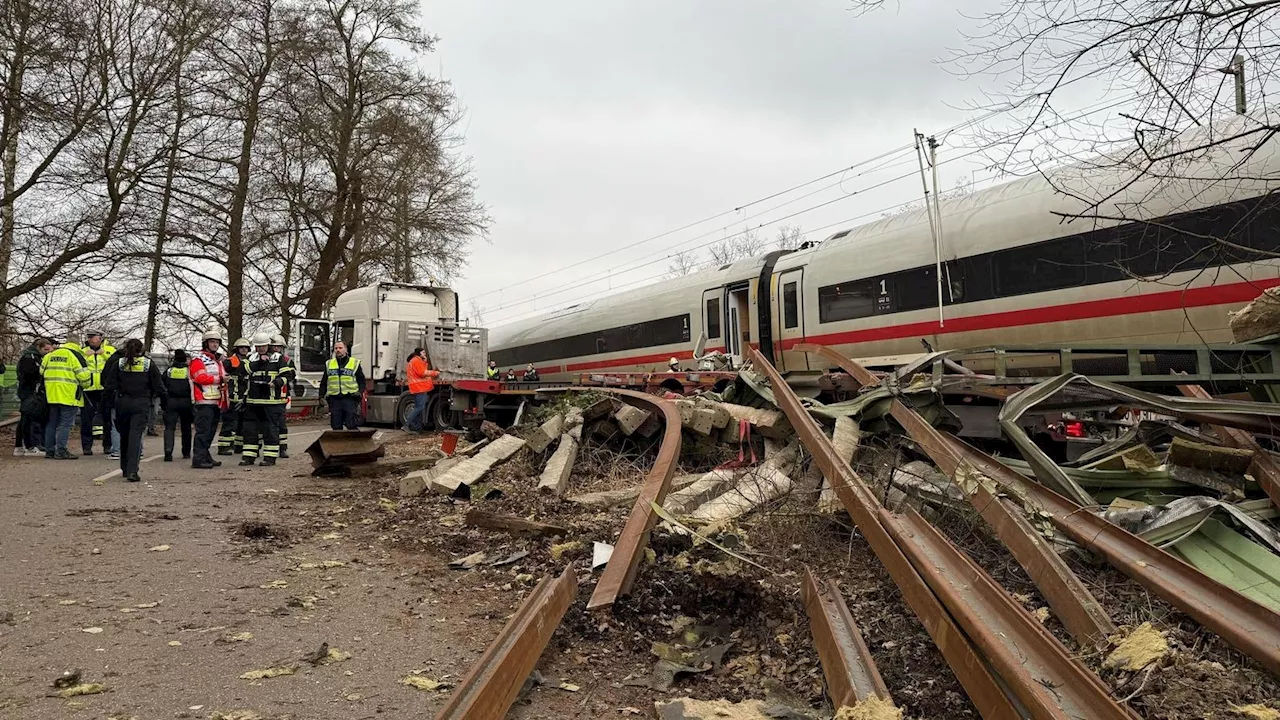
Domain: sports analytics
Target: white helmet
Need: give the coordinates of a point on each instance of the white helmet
(673, 361)
(212, 333)
(261, 339)
(277, 339)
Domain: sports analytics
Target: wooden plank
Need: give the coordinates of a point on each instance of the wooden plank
(512, 524)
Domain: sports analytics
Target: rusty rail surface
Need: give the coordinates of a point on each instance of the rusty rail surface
(1040, 672)
(1264, 468)
(1071, 601)
(1250, 627)
(493, 683)
(969, 667)
(850, 670)
(620, 573)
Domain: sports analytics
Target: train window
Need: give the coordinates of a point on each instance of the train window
(1039, 267)
(713, 318)
(847, 300)
(790, 306)
(915, 289)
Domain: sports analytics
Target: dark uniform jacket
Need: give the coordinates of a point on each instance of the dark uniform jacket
(132, 390)
(177, 383)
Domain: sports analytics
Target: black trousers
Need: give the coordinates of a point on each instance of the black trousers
(30, 432)
(231, 439)
(206, 424)
(174, 418)
(261, 424)
(131, 422)
(93, 417)
(343, 410)
(282, 430)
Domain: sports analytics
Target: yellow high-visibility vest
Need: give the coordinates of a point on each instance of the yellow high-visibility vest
(341, 380)
(65, 377)
(97, 363)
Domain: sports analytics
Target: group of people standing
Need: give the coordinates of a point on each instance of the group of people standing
(247, 392)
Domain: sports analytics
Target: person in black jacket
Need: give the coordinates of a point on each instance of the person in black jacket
(29, 439)
(132, 381)
(177, 405)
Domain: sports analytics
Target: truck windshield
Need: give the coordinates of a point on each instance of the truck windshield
(314, 346)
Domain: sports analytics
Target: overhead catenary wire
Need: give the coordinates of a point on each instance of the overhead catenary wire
(635, 265)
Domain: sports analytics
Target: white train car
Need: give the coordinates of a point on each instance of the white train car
(1014, 273)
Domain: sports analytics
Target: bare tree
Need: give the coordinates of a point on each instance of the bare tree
(789, 237)
(745, 244)
(683, 263)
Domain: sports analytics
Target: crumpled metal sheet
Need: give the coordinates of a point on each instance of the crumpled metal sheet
(1092, 392)
(1165, 525)
(1235, 561)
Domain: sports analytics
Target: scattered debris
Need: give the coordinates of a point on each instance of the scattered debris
(159, 548)
(511, 524)
(1141, 647)
(82, 689)
(420, 682)
(1256, 711)
(67, 679)
(271, 672)
(873, 708)
(600, 554)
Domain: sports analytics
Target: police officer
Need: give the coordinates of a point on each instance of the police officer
(66, 375)
(531, 373)
(290, 371)
(131, 380)
(264, 403)
(236, 366)
(177, 405)
(492, 372)
(95, 416)
(342, 386)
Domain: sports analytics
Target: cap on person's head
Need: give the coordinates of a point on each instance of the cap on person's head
(91, 332)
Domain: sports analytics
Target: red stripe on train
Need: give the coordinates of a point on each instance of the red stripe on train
(1089, 309)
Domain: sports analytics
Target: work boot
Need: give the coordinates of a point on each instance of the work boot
(186, 456)
(224, 451)
(249, 461)
(284, 454)
(266, 462)
(87, 452)
(133, 478)
(66, 455)
(168, 457)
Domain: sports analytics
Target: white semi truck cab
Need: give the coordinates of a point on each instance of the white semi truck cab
(381, 325)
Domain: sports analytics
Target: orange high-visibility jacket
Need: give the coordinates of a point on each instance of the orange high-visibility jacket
(420, 376)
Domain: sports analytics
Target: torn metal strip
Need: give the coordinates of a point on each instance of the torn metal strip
(1040, 673)
(493, 683)
(851, 672)
(620, 573)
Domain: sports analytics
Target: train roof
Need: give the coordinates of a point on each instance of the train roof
(1020, 212)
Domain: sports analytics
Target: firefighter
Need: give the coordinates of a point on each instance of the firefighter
(290, 372)
(66, 375)
(342, 387)
(264, 403)
(673, 365)
(95, 416)
(177, 405)
(231, 440)
(131, 381)
(492, 372)
(208, 395)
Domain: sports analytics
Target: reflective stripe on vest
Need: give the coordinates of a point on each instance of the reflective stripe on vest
(341, 380)
(97, 362)
(139, 365)
(64, 377)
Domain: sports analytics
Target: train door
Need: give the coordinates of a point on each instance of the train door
(788, 320)
(713, 319)
(738, 330)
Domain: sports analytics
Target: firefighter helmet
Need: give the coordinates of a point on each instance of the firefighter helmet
(212, 333)
(261, 339)
(277, 339)
(242, 343)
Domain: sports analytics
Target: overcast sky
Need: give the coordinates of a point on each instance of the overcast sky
(596, 124)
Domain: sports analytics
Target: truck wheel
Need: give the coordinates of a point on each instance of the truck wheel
(403, 409)
(443, 417)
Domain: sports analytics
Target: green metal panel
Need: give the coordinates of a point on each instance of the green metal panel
(1235, 561)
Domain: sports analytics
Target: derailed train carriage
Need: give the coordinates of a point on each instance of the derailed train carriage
(1018, 267)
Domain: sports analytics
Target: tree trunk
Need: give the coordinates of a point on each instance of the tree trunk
(162, 227)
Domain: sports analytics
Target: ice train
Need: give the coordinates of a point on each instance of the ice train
(1014, 272)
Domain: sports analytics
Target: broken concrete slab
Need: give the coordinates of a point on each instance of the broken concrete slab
(542, 438)
(768, 423)
(573, 422)
(1209, 457)
(600, 408)
(416, 482)
(603, 429)
(650, 426)
(756, 486)
(1258, 319)
(555, 477)
(705, 488)
(721, 418)
(472, 469)
(629, 418)
(845, 440)
(613, 498)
